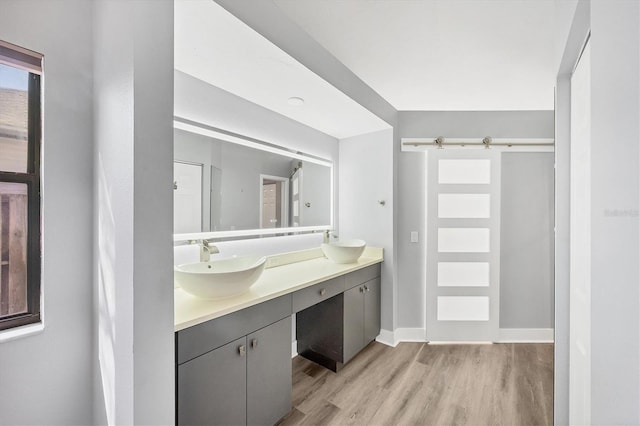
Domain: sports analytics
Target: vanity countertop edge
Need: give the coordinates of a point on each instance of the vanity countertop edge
(274, 282)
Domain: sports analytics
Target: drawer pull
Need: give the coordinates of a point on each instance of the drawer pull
(242, 350)
(254, 343)
(323, 292)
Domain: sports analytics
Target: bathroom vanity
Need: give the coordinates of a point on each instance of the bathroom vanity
(233, 356)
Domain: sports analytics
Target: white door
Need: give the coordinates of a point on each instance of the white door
(580, 245)
(187, 197)
(463, 245)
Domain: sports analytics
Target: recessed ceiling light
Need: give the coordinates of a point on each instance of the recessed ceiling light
(295, 101)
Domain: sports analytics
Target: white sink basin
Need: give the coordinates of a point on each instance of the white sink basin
(347, 251)
(219, 278)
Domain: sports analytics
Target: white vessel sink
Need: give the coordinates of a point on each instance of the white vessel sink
(219, 278)
(347, 251)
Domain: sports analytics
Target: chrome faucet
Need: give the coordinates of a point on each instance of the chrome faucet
(327, 236)
(206, 250)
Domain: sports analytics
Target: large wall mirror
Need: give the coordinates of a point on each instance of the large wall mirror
(227, 185)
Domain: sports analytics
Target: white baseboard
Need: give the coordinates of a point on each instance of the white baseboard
(506, 335)
(387, 337)
(392, 338)
(526, 335)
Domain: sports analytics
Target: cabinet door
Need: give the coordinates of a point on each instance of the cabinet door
(212, 387)
(353, 322)
(269, 373)
(371, 310)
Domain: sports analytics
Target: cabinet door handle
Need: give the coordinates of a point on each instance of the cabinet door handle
(254, 343)
(366, 288)
(323, 292)
(361, 290)
(242, 350)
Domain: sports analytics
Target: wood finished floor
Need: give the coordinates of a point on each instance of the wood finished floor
(422, 384)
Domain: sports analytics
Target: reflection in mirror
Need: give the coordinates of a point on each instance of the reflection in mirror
(222, 186)
(274, 202)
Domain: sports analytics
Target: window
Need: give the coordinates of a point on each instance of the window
(20, 133)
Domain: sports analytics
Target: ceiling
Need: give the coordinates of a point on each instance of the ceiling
(440, 54)
(420, 55)
(214, 46)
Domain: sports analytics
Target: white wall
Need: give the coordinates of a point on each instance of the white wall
(133, 110)
(411, 186)
(561, 295)
(193, 148)
(316, 182)
(201, 102)
(615, 249)
(615, 296)
(569, 41)
(271, 22)
(365, 179)
(46, 378)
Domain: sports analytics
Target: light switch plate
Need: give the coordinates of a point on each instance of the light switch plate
(414, 236)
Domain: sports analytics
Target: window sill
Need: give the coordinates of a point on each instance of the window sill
(20, 332)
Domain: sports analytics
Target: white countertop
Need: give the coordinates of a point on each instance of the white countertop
(274, 282)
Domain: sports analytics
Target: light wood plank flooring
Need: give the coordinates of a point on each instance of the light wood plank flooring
(422, 384)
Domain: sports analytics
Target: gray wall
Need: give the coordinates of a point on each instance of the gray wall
(526, 240)
(46, 378)
(411, 186)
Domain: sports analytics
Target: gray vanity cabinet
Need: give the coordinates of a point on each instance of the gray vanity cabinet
(371, 310)
(361, 317)
(353, 322)
(236, 369)
(211, 388)
(269, 373)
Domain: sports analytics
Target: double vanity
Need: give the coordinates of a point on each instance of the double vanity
(233, 355)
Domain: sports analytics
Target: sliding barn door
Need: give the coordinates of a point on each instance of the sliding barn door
(463, 245)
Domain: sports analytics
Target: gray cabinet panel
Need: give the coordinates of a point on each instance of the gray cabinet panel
(353, 322)
(212, 387)
(361, 275)
(201, 338)
(269, 373)
(317, 293)
(371, 310)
